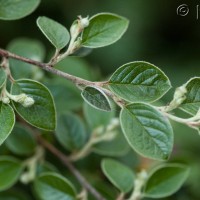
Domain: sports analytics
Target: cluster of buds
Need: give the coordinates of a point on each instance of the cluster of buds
(23, 99)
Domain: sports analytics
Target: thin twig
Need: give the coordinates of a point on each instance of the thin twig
(49, 68)
(65, 160)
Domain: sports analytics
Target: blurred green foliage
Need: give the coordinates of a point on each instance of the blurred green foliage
(156, 34)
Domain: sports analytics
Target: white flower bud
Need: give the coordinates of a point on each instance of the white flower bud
(179, 97)
(78, 26)
(180, 92)
(84, 22)
(25, 178)
(6, 100)
(143, 174)
(28, 101)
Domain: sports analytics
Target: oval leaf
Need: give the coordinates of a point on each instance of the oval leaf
(11, 10)
(71, 132)
(29, 48)
(139, 81)
(191, 104)
(10, 170)
(166, 180)
(118, 174)
(147, 131)
(3, 77)
(104, 29)
(96, 98)
(52, 186)
(56, 33)
(7, 121)
(21, 141)
(42, 113)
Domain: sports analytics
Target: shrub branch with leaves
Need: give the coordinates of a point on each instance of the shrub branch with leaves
(133, 88)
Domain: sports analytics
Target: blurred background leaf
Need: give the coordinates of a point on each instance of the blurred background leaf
(156, 34)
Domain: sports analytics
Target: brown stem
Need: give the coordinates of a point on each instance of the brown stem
(65, 160)
(48, 68)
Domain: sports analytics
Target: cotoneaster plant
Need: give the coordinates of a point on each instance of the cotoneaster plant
(28, 114)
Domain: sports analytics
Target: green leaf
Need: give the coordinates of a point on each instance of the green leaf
(147, 131)
(191, 104)
(104, 29)
(166, 180)
(139, 81)
(29, 48)
(7, 121)
(3, 78)
(118, 174)
(42, 113)
(21, 141)
(56, 33)
(71, 132)
(96, 98)
(116, 147)
(11, 10)
(52, 186)
(10, 170)
(97, 118)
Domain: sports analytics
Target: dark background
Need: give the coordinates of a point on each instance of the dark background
(156, 34)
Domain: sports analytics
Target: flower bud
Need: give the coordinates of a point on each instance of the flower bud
(28, 101)
(84, 22)
(6, 100)
(180, 92)
(78, 26)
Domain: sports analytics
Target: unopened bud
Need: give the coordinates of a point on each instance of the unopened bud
(84, 22)
(179, 97)
(28, 101)
(78, 26)
(180, 92)
(6, 100)
(143, 174)
(25, 178)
